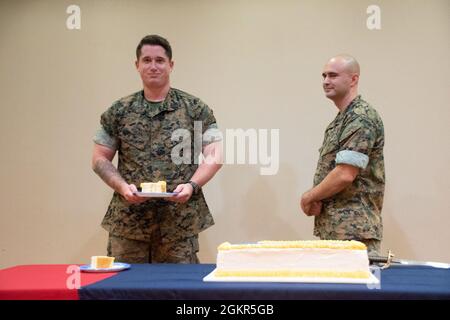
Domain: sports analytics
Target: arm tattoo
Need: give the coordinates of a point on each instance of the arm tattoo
(109, 174)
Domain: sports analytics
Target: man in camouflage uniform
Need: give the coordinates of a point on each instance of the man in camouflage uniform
(347, 196)
(140, 128)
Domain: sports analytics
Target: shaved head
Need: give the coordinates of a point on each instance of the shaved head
(340, 79)
(348, 63)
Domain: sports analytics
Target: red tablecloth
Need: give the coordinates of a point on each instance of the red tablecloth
(44, 282)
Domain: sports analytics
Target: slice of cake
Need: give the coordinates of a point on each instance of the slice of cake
(102, 262)
(314, 258)
(159, 186)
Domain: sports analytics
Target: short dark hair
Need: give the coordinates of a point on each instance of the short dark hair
(154, 40)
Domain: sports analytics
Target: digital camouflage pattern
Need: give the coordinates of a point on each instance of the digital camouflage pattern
(143, 134)
(354, 213)
(153, 251)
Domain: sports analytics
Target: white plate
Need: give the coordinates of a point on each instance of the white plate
(117, 266)
(212, 278)
(155, 194)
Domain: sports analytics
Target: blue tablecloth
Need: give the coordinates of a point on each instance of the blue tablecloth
(176, 281)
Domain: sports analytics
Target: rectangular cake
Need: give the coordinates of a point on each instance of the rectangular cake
(313, 258)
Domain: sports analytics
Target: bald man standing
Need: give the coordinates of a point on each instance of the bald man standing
(348, 191)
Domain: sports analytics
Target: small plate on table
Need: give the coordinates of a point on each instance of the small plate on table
(117, 266)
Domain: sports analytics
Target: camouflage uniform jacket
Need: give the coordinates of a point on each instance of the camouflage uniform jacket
(355, 137)
(143, 134)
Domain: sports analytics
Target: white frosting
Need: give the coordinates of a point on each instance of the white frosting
(293, 259)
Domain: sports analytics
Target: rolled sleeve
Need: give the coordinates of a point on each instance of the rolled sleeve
(102, 137)
(353, 158)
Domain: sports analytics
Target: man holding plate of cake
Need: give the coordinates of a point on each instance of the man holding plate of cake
(144, 129)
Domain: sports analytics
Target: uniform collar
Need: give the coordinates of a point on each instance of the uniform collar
(169, 104)
(341, 115)
(352, 104)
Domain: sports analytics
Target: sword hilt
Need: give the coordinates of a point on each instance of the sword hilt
(386, 260)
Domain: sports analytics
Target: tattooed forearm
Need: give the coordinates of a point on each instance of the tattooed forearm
(106, 170)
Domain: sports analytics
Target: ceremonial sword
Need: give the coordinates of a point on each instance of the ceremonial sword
(389, 260)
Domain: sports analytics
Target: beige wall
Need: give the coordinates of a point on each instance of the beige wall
(258, 65)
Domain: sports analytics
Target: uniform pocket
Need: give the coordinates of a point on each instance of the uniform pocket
(130, 144)
(134, 131)
(330, 141)
(134, 137)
